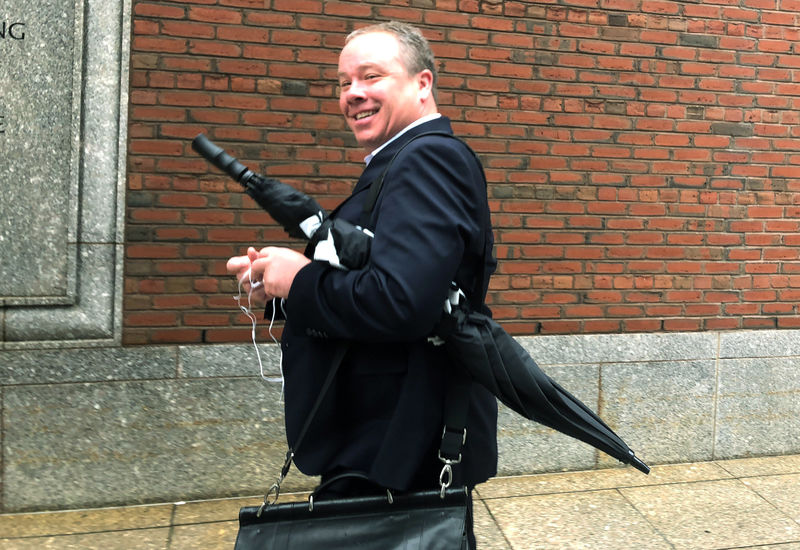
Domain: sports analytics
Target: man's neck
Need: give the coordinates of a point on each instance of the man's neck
(414, 124)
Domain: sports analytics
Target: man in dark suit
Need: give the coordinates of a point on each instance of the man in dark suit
(383, 415)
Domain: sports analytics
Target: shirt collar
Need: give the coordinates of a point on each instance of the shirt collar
(414, 124)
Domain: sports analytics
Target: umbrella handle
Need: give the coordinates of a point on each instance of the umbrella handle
(218, 157)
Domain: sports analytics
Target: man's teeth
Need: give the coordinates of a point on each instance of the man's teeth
(359, 116)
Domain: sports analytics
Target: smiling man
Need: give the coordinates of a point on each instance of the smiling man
(385, 86)
(383, 415)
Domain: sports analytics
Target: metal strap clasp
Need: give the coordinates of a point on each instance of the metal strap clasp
(446, 475)
(275, 491)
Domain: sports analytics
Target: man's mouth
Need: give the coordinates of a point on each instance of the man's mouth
(364, 114)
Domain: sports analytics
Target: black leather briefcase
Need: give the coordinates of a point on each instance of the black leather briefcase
(419, 520)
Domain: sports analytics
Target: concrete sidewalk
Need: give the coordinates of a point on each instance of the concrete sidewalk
(748, 503)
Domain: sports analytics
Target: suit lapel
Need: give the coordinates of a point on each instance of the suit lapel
(379, 161)
(373, 171)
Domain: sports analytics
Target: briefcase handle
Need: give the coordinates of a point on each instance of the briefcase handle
(328, 483)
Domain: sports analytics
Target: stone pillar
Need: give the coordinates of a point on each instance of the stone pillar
(63, 131)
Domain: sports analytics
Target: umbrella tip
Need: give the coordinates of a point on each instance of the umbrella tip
(639, 464)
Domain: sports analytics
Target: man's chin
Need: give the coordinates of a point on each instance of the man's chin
(368, 143)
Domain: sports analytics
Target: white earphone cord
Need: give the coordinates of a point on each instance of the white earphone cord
(247, 310)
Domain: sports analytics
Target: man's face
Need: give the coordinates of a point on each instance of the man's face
(378, 97)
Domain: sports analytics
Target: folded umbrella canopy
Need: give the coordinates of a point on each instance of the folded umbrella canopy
(335, 241)
(299, 214)
(498, 362)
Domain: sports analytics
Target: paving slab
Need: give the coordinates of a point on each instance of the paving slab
(782, 491)
(223, 509)
(214, 535)
(591, 480)
(487, 533)
(762, 466)
(595, 519)
(85, 521)
(751, 503)
(712, 515)
(140, 539)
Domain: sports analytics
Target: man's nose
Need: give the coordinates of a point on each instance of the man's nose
(355, 91)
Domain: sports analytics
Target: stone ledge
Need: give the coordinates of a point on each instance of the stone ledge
(138, 424)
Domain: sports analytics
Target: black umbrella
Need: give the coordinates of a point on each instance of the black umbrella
(335, 241)
(498, 362)
(491, 356)
(299, 214)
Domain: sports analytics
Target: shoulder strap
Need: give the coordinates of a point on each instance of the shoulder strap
(275, 491)
(338, 357)
(454, 433)
(377, 185)
(458, 389)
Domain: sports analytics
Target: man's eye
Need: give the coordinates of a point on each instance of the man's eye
(371, 76)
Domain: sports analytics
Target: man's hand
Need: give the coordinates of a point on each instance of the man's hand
(239, 266)
(274, 267)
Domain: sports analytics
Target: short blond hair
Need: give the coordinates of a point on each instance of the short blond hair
(414, 48)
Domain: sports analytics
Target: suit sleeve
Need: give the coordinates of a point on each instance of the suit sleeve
(428, 212)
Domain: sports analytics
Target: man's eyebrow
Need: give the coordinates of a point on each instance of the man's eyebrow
(362, 67)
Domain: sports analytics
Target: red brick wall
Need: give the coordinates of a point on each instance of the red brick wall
(643, 156)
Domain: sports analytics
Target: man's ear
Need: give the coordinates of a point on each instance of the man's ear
(425, 81)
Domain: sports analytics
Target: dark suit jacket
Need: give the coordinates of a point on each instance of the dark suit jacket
(383, 414)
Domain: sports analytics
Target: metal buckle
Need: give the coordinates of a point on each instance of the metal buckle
(448, 461)
(274, 490)
(463, 441)
(276, 487)
(446, 475)
(447, 472)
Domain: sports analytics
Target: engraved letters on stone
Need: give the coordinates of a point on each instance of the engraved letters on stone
(63, 129)
(12, 30)
(40, 94)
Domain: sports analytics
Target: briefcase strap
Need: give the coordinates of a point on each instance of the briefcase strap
(275, 490)
(377, 185)
(454, 434)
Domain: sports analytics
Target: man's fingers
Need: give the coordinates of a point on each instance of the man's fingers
(237, 263)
